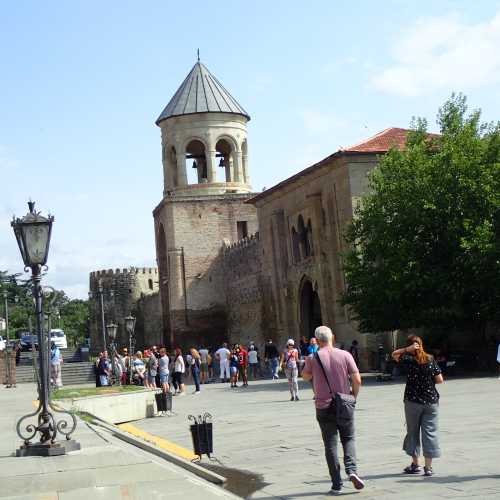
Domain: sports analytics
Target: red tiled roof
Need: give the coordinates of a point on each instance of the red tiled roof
(381, 142)
(378, 144)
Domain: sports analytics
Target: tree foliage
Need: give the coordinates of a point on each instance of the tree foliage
(425, 241)
(72, 318)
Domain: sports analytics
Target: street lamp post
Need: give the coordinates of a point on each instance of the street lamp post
(33, 233)
(101, 292)
(111, 328)
(130, 327)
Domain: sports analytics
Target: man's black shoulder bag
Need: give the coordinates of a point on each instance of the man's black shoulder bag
(344, 404)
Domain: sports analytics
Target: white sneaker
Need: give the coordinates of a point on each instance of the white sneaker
(196, 392)
(356, 481)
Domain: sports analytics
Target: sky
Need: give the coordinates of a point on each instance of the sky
(82, 83)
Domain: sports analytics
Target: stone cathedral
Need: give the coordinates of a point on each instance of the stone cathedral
(239, 266)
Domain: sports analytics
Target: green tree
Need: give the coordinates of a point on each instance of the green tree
(74, 314)
(425, 240)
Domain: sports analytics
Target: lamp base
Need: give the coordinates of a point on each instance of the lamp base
(40, 450)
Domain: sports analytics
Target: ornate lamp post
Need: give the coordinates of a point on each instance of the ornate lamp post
(130, 327)
(112, 328)
(33, 233)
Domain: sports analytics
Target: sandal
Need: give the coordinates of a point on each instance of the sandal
(428, 471)
(412, 469)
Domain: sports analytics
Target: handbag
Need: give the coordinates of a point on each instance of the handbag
(344, 404)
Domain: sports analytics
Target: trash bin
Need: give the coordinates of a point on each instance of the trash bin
(201, 432)
(163, 401)
(84, 353)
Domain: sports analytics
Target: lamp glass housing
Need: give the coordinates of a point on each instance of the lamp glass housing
(130, 324)
(112, 328)
(33, 234)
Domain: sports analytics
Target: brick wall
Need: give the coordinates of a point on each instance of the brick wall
(195, 228)
(242, 265)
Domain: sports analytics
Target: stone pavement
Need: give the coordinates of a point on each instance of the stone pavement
(277, 442)
(105, 467)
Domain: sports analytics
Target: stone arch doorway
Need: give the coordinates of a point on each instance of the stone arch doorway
(310, 309)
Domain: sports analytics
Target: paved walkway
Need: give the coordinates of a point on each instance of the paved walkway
(277, 442)
(105, 467)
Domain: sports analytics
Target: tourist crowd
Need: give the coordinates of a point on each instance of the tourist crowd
(157, 368)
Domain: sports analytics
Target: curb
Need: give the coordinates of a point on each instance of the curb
(195, 469)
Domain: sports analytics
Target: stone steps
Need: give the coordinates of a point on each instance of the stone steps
(71, 373)
(69, 356)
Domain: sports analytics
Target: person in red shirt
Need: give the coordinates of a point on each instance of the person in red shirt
(243, 359)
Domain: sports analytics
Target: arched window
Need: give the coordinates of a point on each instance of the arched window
(195, 151)
(304, 237)
(295, 246)
(224, 155)
(310, 237)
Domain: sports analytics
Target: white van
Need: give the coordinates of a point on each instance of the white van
(59, 338)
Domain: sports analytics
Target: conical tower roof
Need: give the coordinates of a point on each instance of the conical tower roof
(201, 92)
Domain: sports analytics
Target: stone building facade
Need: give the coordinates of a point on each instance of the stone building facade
(239, 266)
(126, 291)
(205, 125)
(301, 225)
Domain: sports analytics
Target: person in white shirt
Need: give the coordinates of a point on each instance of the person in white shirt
(253, 361)
(223, 355)
(179, 369)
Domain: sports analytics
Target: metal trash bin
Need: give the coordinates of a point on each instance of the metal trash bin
(84, 354)
(163, 401)
(202, 434)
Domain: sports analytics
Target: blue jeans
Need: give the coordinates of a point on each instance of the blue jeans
(196, 377)
(274, 367)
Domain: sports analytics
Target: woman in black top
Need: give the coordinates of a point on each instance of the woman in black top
(421, 401)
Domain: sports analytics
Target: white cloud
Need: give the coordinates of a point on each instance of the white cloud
(443, 53)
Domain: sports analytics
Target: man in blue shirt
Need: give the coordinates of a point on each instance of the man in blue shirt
(313, 347)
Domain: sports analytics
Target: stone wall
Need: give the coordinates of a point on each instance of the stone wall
(325, 197)
(122, 291)
(242, 266)
(190, 233)
(149, 320)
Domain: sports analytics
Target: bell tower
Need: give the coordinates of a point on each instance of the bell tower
(206, 184)
(204, 128)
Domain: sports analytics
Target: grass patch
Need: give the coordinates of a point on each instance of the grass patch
(93, 391)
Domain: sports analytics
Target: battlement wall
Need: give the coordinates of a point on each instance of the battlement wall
(124, 272)
(122, 291)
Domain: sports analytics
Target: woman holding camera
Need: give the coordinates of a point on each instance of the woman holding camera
(421, 400)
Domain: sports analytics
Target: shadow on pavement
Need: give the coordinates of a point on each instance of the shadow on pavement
(444, 479)
(240, 482)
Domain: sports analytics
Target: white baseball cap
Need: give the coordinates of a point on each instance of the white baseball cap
(290, 342)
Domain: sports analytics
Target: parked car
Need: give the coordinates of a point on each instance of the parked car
(2, 343)
(27, 341)
(59, 338)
